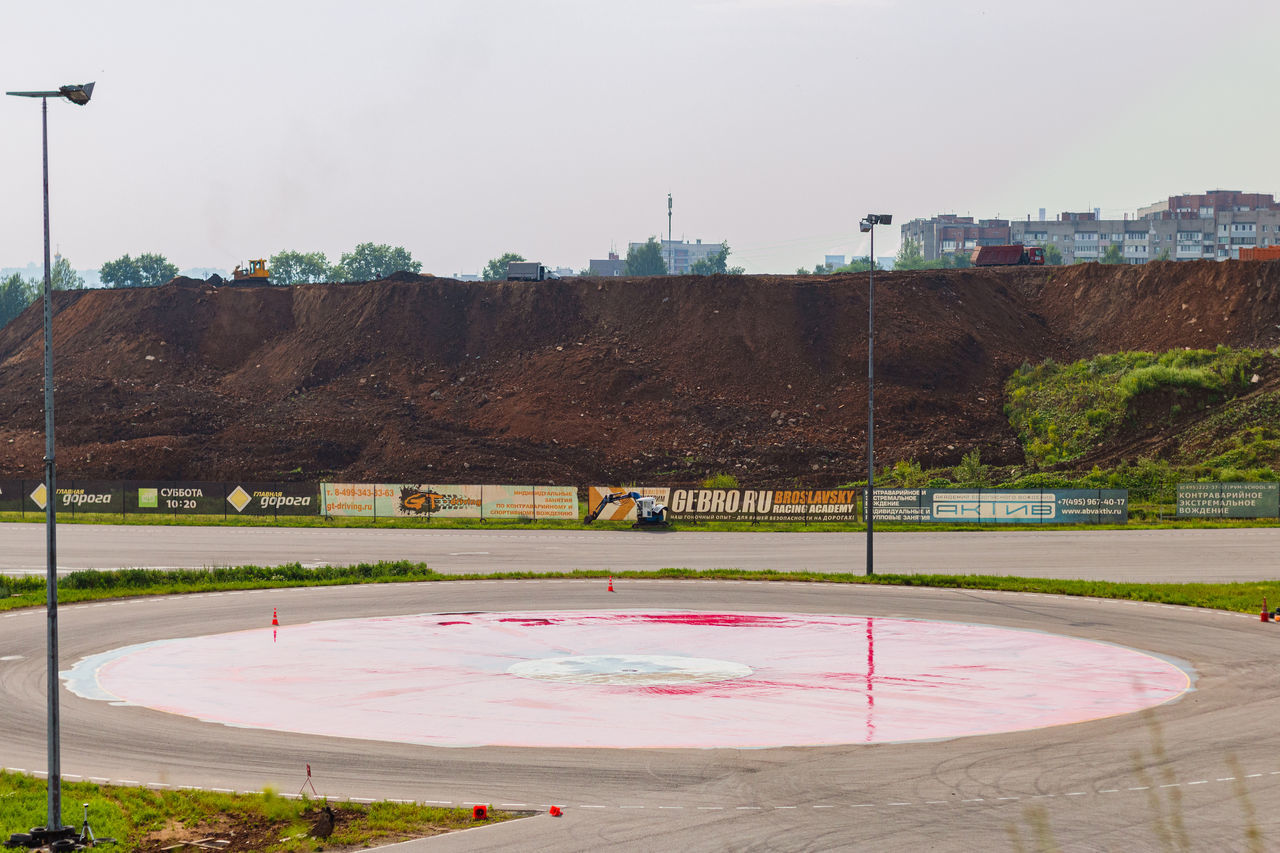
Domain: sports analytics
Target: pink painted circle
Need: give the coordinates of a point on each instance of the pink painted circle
(635, 678)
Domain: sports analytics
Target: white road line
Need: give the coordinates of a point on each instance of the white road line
(1204, 781)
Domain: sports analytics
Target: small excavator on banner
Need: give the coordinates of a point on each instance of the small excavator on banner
(649, 513)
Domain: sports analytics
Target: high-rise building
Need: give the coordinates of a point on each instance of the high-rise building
(1212, 225)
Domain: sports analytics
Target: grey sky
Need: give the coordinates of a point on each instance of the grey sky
(556, 128)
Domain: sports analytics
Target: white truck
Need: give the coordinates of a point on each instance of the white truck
(528, 271)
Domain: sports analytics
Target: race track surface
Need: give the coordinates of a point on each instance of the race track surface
(1204, 767)
(1238, 554)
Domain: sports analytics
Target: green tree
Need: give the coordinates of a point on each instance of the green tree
(16, 293)
(1113, 254)
(496, 269)
(646, 259)
(370, 261)
(1052, 255)
(910, 256)
(956, 261)
(1162, 255)
(122, 272)
(155, 270)
(147, 270)
(63, 277)
(300, 268)
(971, 472)
(716, 264)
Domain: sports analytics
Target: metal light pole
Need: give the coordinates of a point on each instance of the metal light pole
(671, 249)
(77, 95)
(868, 225)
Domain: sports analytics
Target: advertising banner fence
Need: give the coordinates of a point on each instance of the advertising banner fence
(625, 509)
(11, 493)
(803, 505)
(734, 505)
(1229, 500)
(1003, 506)
(273, 499)
(422, 500)
(175, 498)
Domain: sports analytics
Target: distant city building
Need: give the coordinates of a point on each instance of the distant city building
(613, 265)
(1213, 225)
(834, 261)
(462, 276)
(681, 255)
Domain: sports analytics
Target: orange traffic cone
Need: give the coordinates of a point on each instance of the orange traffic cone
(555, 811)
(275, 618)
(611, 583)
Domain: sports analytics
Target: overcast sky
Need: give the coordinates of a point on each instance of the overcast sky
(222, 131)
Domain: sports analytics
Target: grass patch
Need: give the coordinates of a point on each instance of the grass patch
(1062, 411)
(145, 819)
(92, 585)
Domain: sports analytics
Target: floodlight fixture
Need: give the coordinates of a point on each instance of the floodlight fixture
(77, 93)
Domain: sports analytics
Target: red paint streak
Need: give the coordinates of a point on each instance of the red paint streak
(453, 623)
(871, 676)
(529, 621)
(718, 620)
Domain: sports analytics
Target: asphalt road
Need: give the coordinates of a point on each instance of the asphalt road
(1240, 554)
(1205, 766)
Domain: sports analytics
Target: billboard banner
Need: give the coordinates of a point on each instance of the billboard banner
(420, 500)
(80, 496)
(273, 499)
(556, 502)
(175, 498)
(11, 492)
(625, 509)
(351, 498)
(1003, 506)
(803, 505)
(1229, 500)
(532, 502)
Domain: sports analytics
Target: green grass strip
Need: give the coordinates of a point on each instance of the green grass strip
(141, 818)
(29, 591)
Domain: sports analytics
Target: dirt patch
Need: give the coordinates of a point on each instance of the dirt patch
(253, 833)
(583, 380)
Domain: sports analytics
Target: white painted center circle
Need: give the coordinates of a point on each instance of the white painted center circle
(630, 670)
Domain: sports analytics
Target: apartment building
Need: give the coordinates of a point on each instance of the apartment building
(1214, 225)
(681, 255)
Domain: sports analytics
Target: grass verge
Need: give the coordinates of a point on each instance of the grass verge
(142, 819)
(29, 591)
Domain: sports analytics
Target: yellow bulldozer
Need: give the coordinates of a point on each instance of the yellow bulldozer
(257, 273)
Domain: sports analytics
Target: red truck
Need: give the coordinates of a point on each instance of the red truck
(1006, 256)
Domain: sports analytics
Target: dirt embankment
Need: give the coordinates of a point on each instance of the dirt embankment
(618, 380)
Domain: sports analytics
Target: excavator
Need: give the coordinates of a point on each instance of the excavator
(649, 513)
(257, 273)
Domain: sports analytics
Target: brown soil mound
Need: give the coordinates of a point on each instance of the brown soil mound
(425, 379)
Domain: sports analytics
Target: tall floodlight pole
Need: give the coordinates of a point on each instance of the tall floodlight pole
(54, 828)
(671, 247)
(868, 224)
